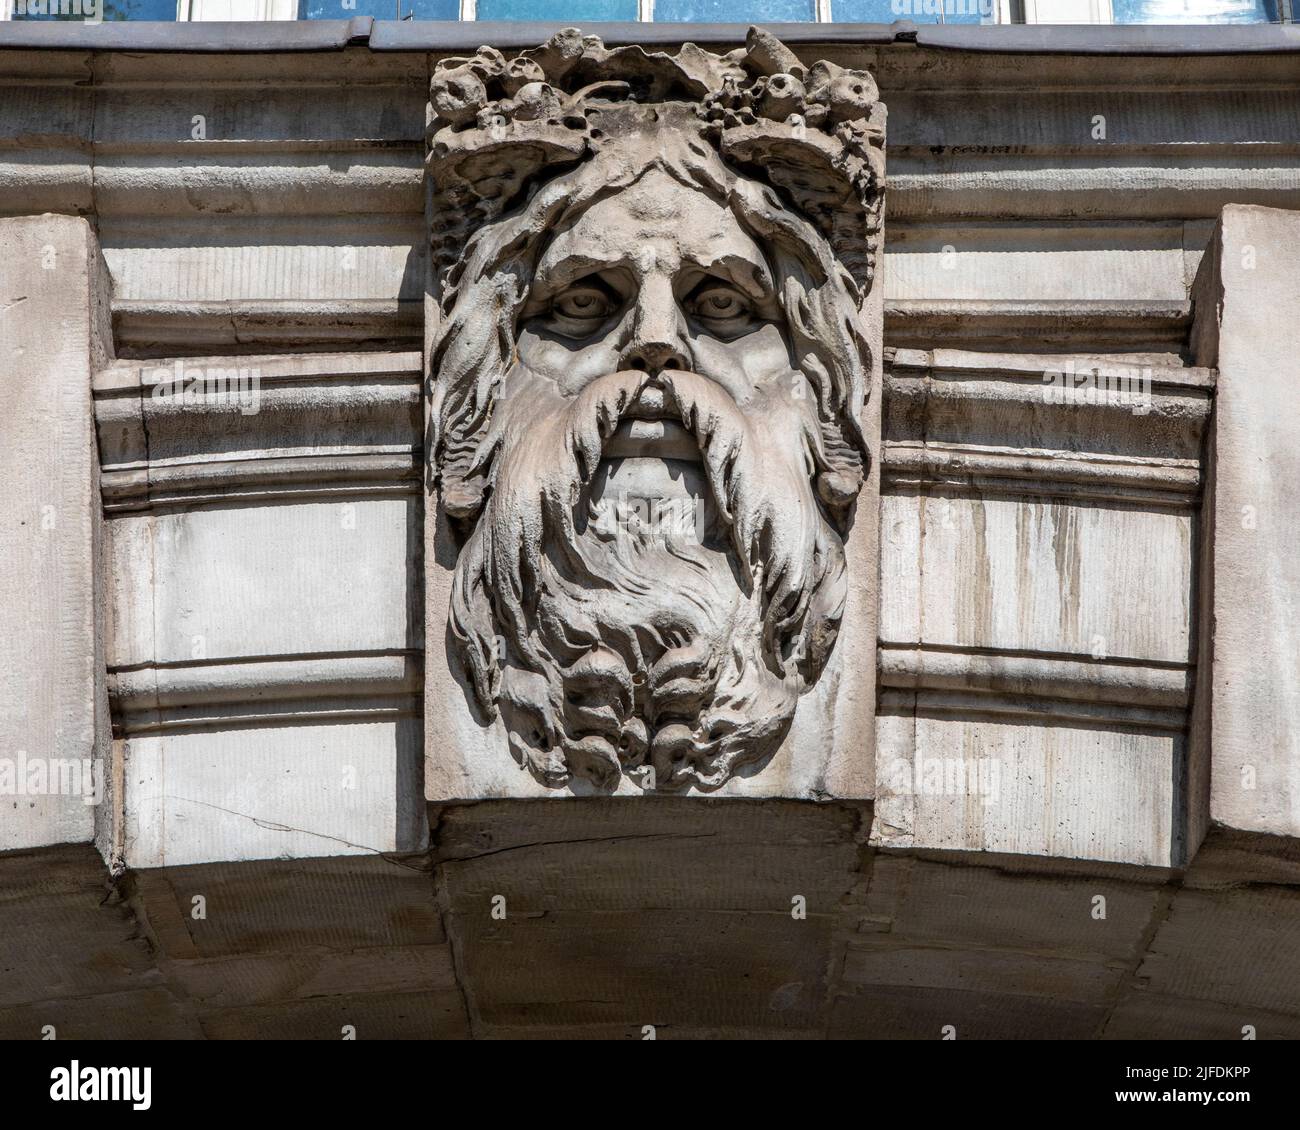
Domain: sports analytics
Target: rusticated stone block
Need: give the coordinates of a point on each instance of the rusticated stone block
(53, 704)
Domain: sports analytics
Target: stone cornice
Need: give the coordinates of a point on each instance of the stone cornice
(318, 426)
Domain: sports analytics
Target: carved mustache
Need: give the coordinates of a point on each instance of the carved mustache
(704, 409)
(738, 464)
(699, 658)
(758, 468)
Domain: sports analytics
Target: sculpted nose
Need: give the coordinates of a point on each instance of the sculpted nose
(654, 357)
(658, 338)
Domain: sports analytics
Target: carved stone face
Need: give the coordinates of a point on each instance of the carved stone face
(658, 277)
(643, 433)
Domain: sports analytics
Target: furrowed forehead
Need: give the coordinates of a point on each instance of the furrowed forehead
(655, 223)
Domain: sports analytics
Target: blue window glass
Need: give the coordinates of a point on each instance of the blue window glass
(379, 9)
(92, 11)
(574, 11)
(1195, 11)
(729, 12)
(918, 11)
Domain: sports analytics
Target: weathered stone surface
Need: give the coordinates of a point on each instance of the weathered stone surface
(290, 218)
(1149, 1015)
(1045, 779)
(647, 412)
(979, 141)
(218, 788)
(419, 1015)
(221, 582)
(989, 260)
(922, 1013)
(997, 947)
(264, 665)
(1038, 552)
(58, 940)
(1224, 954)
(608, 914)
(53, 706)
(297, 950)
(612, 914)
(1043, 575)
(72, 955)
(1254, 578)
(1076, 599)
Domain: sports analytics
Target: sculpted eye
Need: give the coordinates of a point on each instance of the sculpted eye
(584, 304)
(719, 303)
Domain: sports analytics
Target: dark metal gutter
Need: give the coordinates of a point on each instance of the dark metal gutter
(454, 36)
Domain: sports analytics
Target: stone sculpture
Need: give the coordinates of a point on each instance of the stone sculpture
(647, 391)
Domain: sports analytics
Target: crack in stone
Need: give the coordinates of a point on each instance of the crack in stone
(273, 826)
(589, 840)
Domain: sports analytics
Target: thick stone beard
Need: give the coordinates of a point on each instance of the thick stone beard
(611, 644)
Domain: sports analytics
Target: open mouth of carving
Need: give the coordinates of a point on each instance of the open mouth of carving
(652, 468)
(652, 439)
(651, 429)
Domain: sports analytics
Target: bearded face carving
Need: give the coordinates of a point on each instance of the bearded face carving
(646, 396)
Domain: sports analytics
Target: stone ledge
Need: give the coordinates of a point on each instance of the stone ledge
(913, 666)
(896, 943)
(151, 328)
(1103, 326)
(262, 691)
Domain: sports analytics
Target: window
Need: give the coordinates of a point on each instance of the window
(724, 11)
(1195, 11)
(575, 11)
(918, 11)
(379, 9)
(92, 11)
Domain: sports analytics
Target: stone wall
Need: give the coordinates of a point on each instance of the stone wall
(1042, 563)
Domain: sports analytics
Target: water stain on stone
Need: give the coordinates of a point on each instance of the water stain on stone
(1065, 547)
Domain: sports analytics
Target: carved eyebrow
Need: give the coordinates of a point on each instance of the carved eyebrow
(752, 277)
(571, 268)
